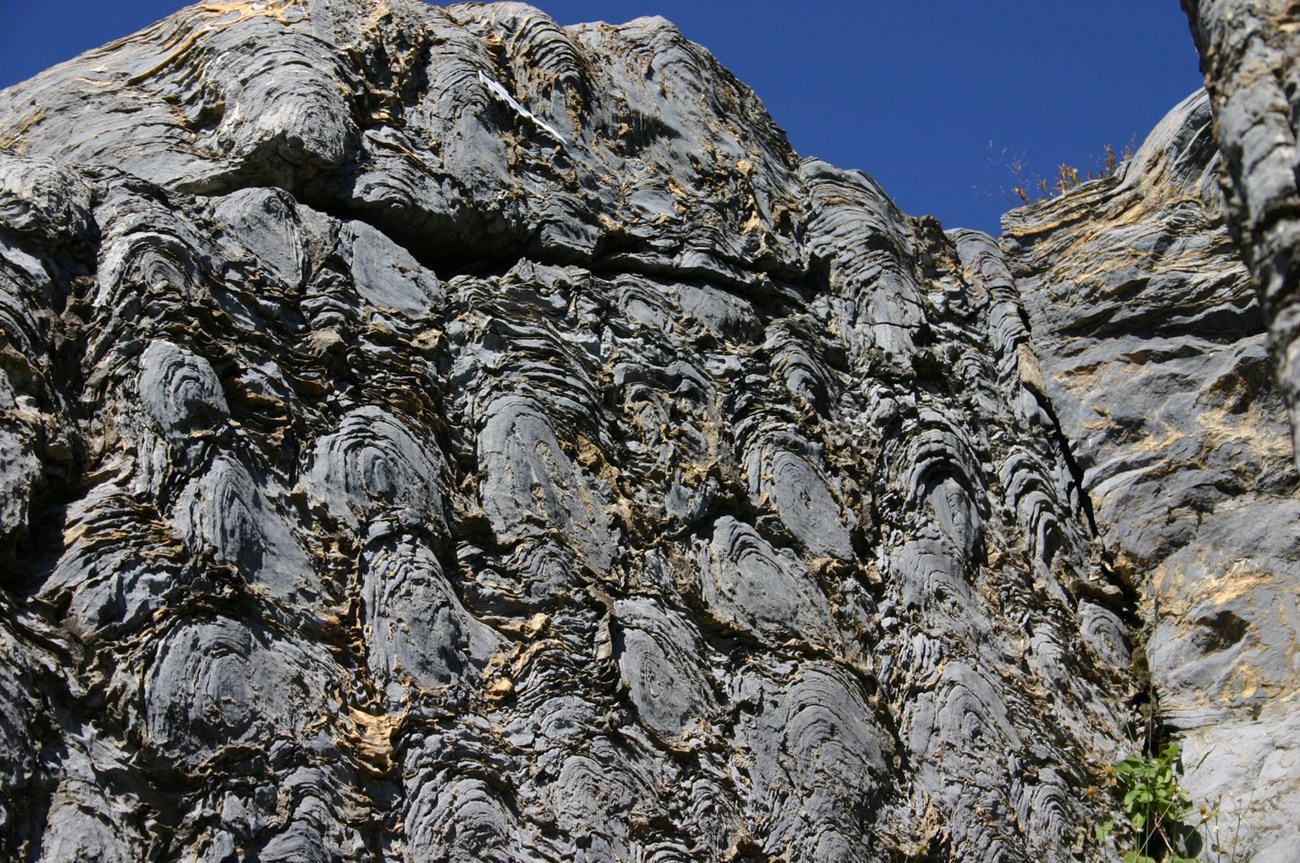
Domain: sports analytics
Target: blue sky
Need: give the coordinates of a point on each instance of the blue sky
(931, 97)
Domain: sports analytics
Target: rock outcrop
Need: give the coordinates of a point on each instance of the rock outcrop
(1153, 347)
(436, 434)
(1248, 54)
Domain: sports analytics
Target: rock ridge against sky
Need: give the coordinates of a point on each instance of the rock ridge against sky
(436, 434)
(937, 111)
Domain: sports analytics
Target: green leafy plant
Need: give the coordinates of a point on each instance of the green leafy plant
(1157, 809)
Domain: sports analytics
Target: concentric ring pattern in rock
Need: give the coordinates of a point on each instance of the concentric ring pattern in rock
(440, 434)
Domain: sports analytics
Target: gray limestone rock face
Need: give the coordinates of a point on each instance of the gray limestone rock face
(1153, 349)
(438, 434)
(1248, 52)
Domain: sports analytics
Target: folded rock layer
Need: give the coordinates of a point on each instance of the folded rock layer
(437, 434)
(1152, 343)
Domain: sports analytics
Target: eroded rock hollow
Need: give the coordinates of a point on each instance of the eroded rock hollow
(437, 434)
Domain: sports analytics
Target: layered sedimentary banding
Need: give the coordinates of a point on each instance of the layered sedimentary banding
(1154, 351)
(399, 471)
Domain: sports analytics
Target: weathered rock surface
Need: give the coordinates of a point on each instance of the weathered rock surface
(409, 467)
(1153, 349)
(435, 434)
(1248, 52)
